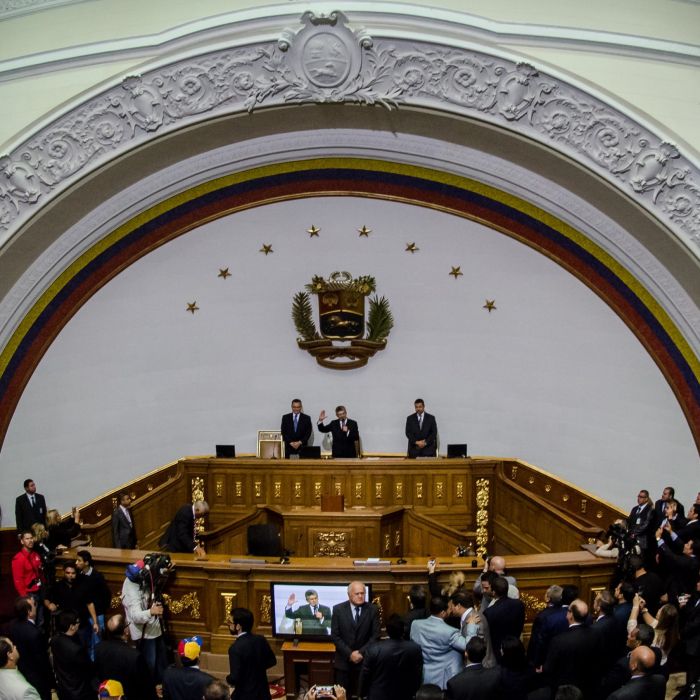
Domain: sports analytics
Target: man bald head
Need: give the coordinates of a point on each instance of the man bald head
(642, 660)
(116, 627)
(578, 611)
(497, 564)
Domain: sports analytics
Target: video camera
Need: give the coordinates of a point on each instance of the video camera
(154, 574)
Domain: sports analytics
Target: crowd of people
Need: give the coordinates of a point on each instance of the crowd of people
(459, 641)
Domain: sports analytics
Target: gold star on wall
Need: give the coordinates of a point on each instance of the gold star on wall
(456, 271)
(364, 231)
(490, 305)
(313, 231)
(411, 247)
(267, 249)
(192, 307)
(224, 273)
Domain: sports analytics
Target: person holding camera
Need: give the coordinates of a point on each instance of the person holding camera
(144, 616)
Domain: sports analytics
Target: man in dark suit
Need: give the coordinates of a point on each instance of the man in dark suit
(475, 682)
(392, 668)
(123, 528)
(690, 634)
(505, 617)
(421, 431)
(249, 658)
(546, 625)
(30, 507)
(691, 531)
(668, 494)
(296, 429)
(75, 674)
(641, 523)
(116, 659)
(346, 435)
(643, 685)
(33, 650)
(572, 655)
(315, 618)
(606, 630)
(180, 535)
(417, 608)
(354, 626)
(186, 682)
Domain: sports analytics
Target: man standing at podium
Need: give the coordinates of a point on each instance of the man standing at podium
(315, 618)
(346, 435)
(296, 429)
(421, 431)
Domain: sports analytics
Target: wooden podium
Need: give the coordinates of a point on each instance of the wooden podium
(319, 658)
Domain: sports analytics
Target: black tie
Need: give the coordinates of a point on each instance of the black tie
(31, 501)
(357, 615)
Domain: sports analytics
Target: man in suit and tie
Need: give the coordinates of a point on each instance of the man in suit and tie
(392, 668)
(475, 682)
(296, 429)
(421, 431)
(641, 523)
(180, 535)
(30, 507)
(668, 494)
(643, 685)
(249, 658)
(354, 626)
(346, 435)
(123, 528)
(574, 653)
(505, 616)
(315, 618)
(443, 646)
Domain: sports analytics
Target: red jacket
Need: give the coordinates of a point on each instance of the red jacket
(26, 569)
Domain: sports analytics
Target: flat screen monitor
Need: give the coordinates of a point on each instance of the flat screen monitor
(297, 621)
(310, 452)
(454, 451)
(226, 451)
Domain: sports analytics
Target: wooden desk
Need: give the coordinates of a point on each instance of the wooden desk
(319, 658)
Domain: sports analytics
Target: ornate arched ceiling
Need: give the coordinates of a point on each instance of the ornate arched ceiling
(458, 95)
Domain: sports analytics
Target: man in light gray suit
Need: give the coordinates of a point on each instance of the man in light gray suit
(443, 646)
(471, 622)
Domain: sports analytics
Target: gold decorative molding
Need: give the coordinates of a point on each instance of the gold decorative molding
(338, 488)
(460, 489)
(358, 490)
(378, 490)
(599, 514)
(387, 543)
(565, 498)
(98, 513)
(266, 609)
(239, 489)
(257, 485)
(115, 602)
(397, 539)
(277, 489)
(219, 488)
(331, 544)
(297, 489)
(531, 480)
(378, 602)
(149, 487)
(317, 490)
(398, 489)
(188, 601)
(419, 490)
(197, 488)
(532, 602)
(439, 489)
(584, 505)
(483, 488)
(514, 472)
(228, 605)
(114, 502)
(547, 487)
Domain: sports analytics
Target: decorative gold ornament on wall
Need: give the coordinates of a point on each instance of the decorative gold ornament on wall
(277, 489)
(514, 472)
(460, 489)
(219, 488)
(266, 609)
(297, 489)
(387, 543)
(483, 487)
(331, 544)
(439, 489)
(228, 605)
(188, 601)
(584, 505)
(239, 489)
(358, 490)
(378, 490)
(419, 490)
(398, 490)
(317, 490)
(197, 490)
(257, 485)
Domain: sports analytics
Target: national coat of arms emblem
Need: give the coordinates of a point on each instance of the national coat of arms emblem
(342, 342)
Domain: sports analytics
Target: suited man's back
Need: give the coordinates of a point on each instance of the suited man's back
(185, 683)
(572, 657)
(391, 670)
(474, 683)
(33, 650)
(646, 688)
(249, 658)
(117, 660)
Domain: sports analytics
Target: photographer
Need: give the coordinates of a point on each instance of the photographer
(144, 613)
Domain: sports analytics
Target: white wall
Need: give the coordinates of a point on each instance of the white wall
(552, 376)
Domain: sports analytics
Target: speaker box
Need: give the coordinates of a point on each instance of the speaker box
(264, 540)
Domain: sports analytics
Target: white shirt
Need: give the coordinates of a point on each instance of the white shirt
(138, 614)
(14, 686)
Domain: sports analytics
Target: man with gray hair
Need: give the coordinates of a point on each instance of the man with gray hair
(547, 623)
(181, 535)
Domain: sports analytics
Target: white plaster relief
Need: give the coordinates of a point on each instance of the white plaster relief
(325, 61)
(462, 161)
